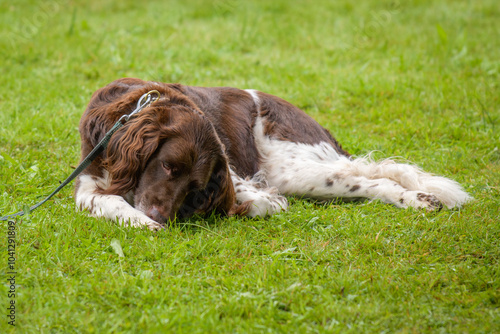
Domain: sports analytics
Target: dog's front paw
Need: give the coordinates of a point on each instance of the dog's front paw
(150, 224)
(141, 222)
(155, 226)
(418, 199)
(267, 204)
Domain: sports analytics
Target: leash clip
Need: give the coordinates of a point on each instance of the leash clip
(145, 101)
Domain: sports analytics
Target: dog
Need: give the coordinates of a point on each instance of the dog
(201, 150)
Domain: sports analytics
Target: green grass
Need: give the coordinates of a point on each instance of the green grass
(415, 79)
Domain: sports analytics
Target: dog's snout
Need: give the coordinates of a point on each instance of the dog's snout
(155, 214)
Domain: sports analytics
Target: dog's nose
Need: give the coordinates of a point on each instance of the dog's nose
(155, 214)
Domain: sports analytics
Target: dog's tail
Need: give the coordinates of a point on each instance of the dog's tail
(448, 192)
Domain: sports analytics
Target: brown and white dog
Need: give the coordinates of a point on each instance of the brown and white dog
(229, 151)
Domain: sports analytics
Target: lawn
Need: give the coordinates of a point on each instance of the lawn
(414, 79)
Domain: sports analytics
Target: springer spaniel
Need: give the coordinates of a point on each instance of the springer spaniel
(230, 151)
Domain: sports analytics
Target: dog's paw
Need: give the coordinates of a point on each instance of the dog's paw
(141, 222)
(265, 204)
(155, 226)
(419, 200)
(432, 203)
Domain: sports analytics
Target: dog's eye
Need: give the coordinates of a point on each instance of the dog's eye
(169, 170)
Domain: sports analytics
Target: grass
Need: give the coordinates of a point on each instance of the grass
(415, 79)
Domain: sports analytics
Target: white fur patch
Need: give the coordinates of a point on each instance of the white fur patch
(318, 171)
(254, 95)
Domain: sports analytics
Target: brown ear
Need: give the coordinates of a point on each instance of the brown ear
(130, 149)
(225, 198)
(218, 195)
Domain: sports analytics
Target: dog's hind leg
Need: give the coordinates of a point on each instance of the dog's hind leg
(335, 179)
(318, 171)
(447, 191)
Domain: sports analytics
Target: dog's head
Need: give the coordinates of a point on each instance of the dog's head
(172, 159)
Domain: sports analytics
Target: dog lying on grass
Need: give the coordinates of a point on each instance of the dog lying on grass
(198, 150)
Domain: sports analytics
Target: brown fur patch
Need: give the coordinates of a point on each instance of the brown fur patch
(354, 188)
(284, 121)
(241, 209)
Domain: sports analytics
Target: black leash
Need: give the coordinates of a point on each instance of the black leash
(145, 100)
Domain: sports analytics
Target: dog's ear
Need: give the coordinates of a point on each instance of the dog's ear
(218, 196)
(129, 150)
(221, 188)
